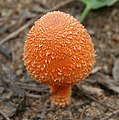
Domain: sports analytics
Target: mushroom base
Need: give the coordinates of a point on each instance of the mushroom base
(61, 95)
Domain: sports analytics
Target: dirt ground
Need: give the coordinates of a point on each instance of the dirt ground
(21, 98)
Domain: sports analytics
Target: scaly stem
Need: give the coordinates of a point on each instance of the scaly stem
(61, 95)
(85, 13)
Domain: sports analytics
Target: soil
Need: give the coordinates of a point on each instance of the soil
(21, 98)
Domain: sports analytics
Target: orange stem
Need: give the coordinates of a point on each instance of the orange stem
(61, 95)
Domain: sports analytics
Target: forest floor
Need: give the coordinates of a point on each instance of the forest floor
(21, 98)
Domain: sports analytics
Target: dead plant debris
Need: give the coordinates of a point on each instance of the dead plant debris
(96, 98)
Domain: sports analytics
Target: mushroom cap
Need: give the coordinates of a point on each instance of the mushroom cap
(58, 50)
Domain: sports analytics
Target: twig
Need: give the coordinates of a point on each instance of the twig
(93, 98)
(22, 104)
(56, 7)
(32, 87)
(93, 91)
(82, 113)
(33, 95)
(61, 4)
(110, 115)
(4, 115)
(6, 27)
(36, 89)
(14, 34)
(105, 81)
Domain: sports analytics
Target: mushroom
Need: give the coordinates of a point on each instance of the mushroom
(59, 52)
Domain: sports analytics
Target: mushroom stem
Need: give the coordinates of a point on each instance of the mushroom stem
(61, 95)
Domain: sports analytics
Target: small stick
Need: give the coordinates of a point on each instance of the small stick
(82, 113)
(4, 115)
(14, 34)
(110, 115)
(32, 87)
(61, 4)
(33, 95)
(93, 98)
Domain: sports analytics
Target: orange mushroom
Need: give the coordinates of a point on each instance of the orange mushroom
(59, 52)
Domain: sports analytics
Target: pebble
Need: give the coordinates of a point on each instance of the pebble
(91, 32)
(19, 72)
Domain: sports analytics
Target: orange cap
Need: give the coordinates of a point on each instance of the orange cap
(58, 50)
